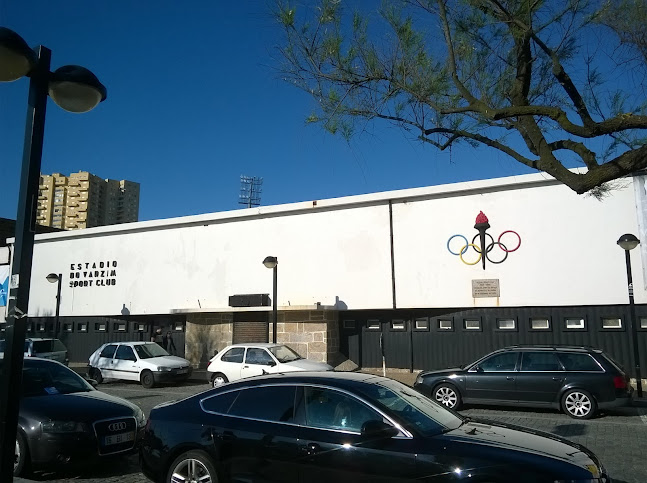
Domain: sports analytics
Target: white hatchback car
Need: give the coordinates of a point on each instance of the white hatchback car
(245, 360)
(146, 362)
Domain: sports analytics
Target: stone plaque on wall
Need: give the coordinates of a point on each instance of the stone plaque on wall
(485, 288)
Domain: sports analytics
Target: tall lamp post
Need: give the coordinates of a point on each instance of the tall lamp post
(628, 242)
(74, 89)
(272, 262)
(54, 278)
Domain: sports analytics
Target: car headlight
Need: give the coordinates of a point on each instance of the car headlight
(419, 379)
(140, 417)
(62, 427)
(164, 369)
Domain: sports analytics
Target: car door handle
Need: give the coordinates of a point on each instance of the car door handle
(312, 448)
(224, 436)
(509, 378)
(558, 378)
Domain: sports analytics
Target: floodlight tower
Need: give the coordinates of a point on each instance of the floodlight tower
(250, 191)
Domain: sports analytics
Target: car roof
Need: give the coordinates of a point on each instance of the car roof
(335, 378)
(129, 342)
(548, 347)
(255, 344)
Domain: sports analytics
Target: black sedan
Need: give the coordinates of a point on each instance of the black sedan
(63, 419)
(345, 427)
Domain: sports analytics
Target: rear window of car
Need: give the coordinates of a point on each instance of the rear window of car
(108, 351)
(540, 362)
(579, 362)
(233, 355)
(277, 403)
(619, 367)
(40, 346)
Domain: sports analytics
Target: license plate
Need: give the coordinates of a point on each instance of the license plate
(119, 438)
(182, 371)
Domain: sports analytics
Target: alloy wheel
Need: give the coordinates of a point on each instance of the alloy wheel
(446, 396)
(578, 404)
(191, 471)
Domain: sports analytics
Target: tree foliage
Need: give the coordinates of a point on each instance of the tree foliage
(554, 84)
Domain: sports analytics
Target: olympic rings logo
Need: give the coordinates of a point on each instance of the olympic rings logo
(488, 254)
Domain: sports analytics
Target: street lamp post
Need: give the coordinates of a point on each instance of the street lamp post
(74, 89)
(272, 262)
(54, 278)
(628, 242)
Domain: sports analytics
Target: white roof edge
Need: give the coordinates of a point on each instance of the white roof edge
(303, 206)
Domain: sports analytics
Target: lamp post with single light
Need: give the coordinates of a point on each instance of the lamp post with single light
(54, 278)
(628, 242)
(75, 89)
(272, 262)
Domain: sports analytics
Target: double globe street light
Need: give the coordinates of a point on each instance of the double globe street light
(75, 89)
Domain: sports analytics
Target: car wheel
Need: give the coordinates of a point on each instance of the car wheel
(147, 379)
(21, 458)
(579, 404)
(447, 395)
(218, 379)
(192, 466)
(96, 375)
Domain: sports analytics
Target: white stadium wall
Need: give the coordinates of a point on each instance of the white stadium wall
(338, 253)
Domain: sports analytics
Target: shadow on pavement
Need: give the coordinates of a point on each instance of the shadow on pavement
(117, 467)
(569, 430)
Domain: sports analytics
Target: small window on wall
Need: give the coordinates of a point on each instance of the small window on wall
(472, 324)
(397, 325)
(40, 327)
(574, 323)
(101, 327)
(506, 324)
(68, 327)
(178, 327)
(539, 323)
(30, 327)
(3, 327)
(349, 324)
(643, 323)
(422, 324)
(82, 327)
(119, 327)
(141, 327)
(373, 324)
(445, 324)
(611, 323)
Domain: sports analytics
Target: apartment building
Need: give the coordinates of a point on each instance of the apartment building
(83, 200)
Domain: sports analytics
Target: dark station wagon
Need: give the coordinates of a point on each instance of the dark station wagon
(578, 380)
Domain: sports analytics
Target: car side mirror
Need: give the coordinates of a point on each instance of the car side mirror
(270, 363)
(478, 369)
(375, 428)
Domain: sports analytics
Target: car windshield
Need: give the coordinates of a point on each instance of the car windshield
(146, 351)
(415, 411)
(284, 354)
(50, 379)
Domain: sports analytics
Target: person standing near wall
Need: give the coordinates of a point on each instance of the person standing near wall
(169, 345)
(158, 337)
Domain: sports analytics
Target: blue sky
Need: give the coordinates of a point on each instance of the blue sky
(194, 101)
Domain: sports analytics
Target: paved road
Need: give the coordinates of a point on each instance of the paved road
(618, 438)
